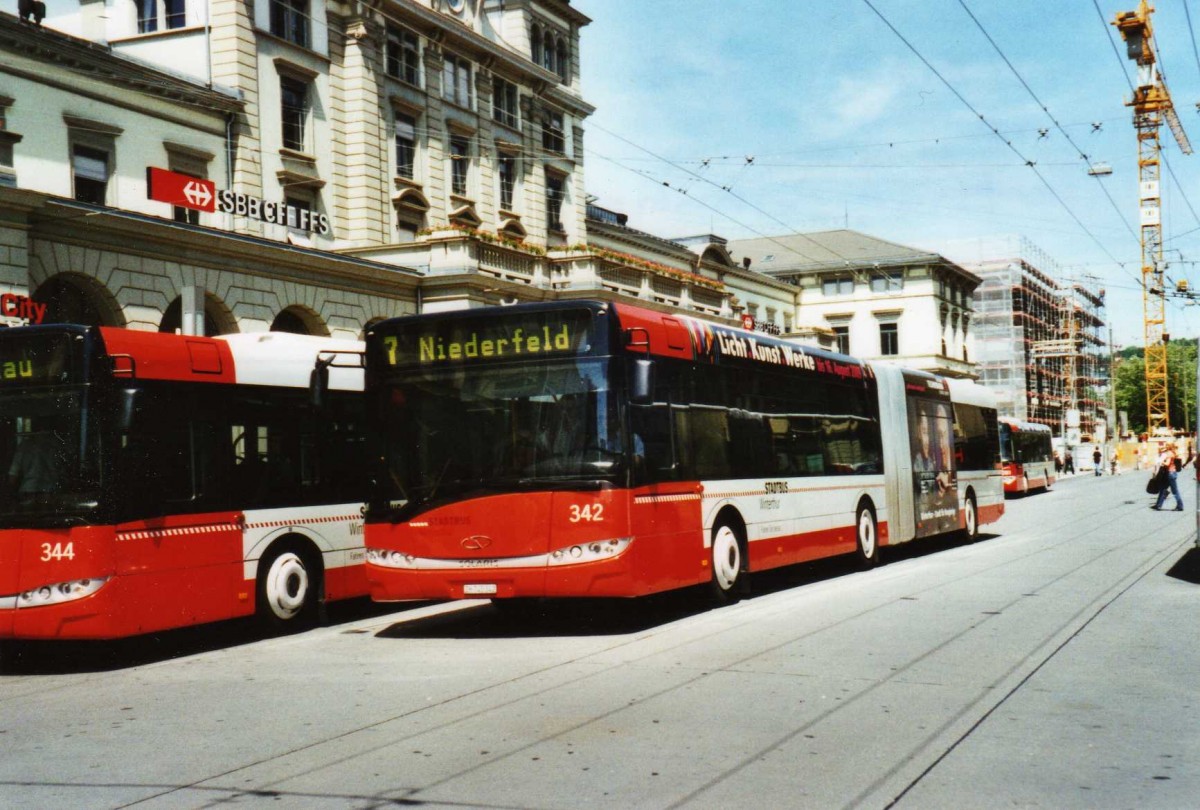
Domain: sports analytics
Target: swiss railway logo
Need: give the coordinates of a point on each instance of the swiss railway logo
(181, 189)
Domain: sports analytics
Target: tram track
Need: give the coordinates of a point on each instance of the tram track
(1066, 531)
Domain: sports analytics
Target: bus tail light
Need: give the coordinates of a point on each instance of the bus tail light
(60, 592)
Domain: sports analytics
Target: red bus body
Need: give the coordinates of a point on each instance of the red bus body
(1027, 456)
(623, 536)
(109, 572)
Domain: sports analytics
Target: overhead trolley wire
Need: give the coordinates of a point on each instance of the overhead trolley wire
(1049, 115)
(1030, 163)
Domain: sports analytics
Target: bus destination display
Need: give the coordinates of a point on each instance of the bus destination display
(29, 359)
(530, 336)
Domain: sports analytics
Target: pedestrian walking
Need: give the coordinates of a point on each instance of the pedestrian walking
(1169, 460)
(1068, 464)
(1112, 462)
(1097, 457)
(1058, 465)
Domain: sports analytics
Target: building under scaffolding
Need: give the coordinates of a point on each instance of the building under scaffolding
(1038, 338)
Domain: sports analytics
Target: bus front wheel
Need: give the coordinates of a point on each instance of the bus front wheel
(726, 562)
(867, 533)
(287, 589)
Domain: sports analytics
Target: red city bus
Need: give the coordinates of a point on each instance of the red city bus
(595, 449)
(156, 481)
(1027, 456)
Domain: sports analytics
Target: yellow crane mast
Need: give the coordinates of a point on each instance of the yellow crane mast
(1151, 105)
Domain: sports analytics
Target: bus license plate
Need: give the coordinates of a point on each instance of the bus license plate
(479, 588)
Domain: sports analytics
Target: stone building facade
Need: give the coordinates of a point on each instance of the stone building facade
(881, 300)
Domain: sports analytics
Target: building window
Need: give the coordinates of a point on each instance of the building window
(404, 55)
(406, 146)
(889, 339)
(456, 80)
(553, 138)
(548, 51)
(178, 212)
(296, 205)
(8, 177)
(504, 103)
(841, 338)
(506, 168)
(173, 15)
(460, 163)
(289, 20)
(535, 44)
(294, 111)
(563, 61)
(555, 192)
(837, 286)
(90, 170)
(887, 282)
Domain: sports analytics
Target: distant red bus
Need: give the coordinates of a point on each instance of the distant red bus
(155, 481)
(1027, 456)
(585, 448)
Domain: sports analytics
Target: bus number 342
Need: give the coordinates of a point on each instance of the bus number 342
(589, 512)
(58, 551)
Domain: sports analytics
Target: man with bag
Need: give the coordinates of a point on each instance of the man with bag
(1166, 475)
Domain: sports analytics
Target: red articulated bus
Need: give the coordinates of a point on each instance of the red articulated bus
(1027, 455)
(155, 481)
(598, 449)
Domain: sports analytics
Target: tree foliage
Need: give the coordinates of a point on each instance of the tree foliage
(1130, 384)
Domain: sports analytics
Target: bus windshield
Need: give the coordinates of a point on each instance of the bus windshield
(48, 472)
(510, 426)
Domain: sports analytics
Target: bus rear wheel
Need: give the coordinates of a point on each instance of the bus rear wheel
(971, 519)
(287, 590)
(726, 563)
(867, 532)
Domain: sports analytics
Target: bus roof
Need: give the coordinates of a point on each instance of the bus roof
(258, 358)
(969, 392)
(1016, 424)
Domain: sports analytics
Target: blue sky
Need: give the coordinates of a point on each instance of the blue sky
(847, 126)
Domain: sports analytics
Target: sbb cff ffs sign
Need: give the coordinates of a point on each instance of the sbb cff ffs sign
(203, 195)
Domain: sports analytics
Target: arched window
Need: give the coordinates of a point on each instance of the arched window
(563, 61)
(535, 43)
(548, 51)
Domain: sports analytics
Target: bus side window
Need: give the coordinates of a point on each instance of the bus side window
(156, 456)
(652, 425)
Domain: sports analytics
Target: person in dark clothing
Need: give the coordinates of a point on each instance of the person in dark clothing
(1097, 457)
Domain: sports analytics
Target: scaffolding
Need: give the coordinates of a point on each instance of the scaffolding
(1038, 339)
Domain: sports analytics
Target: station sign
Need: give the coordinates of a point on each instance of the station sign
(22, 307)
(203, 195)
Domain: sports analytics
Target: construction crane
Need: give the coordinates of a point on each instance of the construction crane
(1151, 105)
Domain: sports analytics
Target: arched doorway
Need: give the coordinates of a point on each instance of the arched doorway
(75, 298)
(218, 320)
(300, 321)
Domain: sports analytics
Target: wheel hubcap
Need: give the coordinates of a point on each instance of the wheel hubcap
(287, 585)
(727, 558)
(866, 534)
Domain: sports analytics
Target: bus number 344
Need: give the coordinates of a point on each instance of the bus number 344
(58, 551)
(589, 512)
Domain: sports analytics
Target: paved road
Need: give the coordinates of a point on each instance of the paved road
(1051, 664)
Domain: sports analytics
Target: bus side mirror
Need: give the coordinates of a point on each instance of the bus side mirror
(318, 385)
(641, 387)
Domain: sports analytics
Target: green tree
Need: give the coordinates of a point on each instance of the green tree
(1130, 384)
